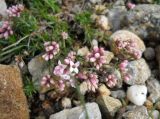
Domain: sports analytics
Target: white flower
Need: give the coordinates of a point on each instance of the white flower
(74, 67)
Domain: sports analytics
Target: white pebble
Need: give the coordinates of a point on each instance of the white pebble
(66, 102)
(137, 94)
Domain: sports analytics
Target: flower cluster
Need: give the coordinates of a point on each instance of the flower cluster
(15, 10)
(71, 57)
(66, 74)
(124, 70)
(64, 35)
(51, 48)
(47, 81)
(5, 30)
(129, 47)
(111, 80)
(97, 57)
(91, 79)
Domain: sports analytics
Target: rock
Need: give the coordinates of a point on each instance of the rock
(155, 114)
(139, 72)
(143, 20)
(103, 90)
(79, 112)
(108, 105)
(102, 22)
(145, 1)
(119, 94)
(158, 105)
(83, 51)
(38, 67)
(158, 55)
(137, 94)
(148, 104)
(83, 88)
(108, 56)
(125, 36)
(3, 8)
(95, 1)
(140, 112)
(13, 103)
(149, 53)
(153, 89)
(66, 102)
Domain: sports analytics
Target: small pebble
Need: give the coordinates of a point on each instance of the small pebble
(103, 90)
(137, 94)
(149, 53)
(148, 104)
(66, 102)
(118, 94)
(155, 114)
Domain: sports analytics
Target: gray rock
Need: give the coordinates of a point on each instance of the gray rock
(108, 105)
(145, 1)
(140, 112)
(119, 94)
(158, 55)
(144, 20)
(153, 86)
(3, 8)
(155, 114)
(149, 53)
(95, 1)
(139, 72)
(79, 112)
(38, 67)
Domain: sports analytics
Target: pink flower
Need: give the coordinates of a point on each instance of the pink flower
(64, 35)
(59, 69)
(130, 5)
(47, 81)
(129, 47)
(81, 75)
(61, 85)
(111, 80)
(92, 82)
(97, 57)
(71, 57)
(5, 30)
(123, 65)
(52, 48)
(15, 10)
(124, 70)
(91, 79)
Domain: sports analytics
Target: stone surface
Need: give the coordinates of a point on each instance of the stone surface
(108, 56)
(103, 22)
(103, 90)
(119, 94)
(66, 102)
(143, 20)
(38, 67)
(149, 53)
(137, 94)
(158, 56)
(140, 112)
(125, 35)
(153, 86)
(83, 88)
(155, 114)
(139, 72)
(108, 105)
(3, 8)
(79, 112)
(13, 103)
